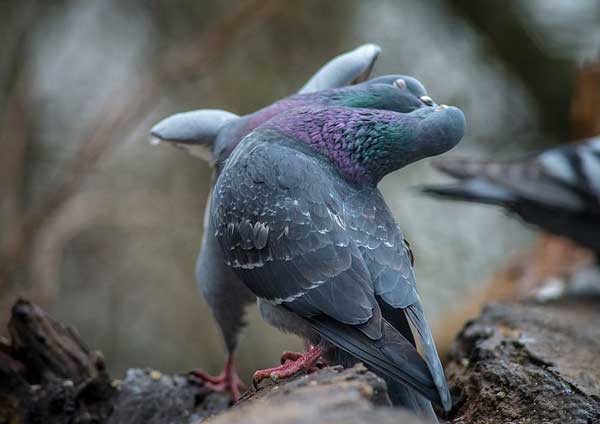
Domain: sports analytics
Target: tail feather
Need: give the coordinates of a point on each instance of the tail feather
(416, 316)
(460, 168)
(404, 396)
(392, 356)
(474, 190)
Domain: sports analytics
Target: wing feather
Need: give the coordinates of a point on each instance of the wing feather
(302, 237)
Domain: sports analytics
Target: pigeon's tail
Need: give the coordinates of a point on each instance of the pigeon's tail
(472, 184)
(404, 396)
(460, 168)
(399, 394)
(392, 356)
(472, 190)
(416, 317)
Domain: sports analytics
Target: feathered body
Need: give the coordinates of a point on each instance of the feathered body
(214, 134)
(299, 218)
(226, 295)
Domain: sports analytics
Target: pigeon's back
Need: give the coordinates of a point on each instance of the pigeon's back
(302, 237)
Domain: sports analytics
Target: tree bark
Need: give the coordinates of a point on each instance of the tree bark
(518, 362)
(48, 375)
(528, 363)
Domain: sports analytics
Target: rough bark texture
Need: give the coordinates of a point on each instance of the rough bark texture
(528, 363)
(516, 363)
(331, 395)
(48, 375)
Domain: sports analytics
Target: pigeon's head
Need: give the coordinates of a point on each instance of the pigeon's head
(399, 93)
(367, 144)
(423, 133)
(195, 131)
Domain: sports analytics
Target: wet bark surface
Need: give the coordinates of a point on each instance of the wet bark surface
(528, 363)
(331, 395)
(515, 363)
(48, 375)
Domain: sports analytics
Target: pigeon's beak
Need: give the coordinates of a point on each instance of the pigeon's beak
(427, 101)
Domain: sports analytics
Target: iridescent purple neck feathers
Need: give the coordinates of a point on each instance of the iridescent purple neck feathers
(367, 144)
(232, 134)
(351, 138)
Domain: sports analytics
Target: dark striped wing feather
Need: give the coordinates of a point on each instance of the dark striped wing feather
(558, 190)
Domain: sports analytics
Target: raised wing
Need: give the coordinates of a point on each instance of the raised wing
(563, 178)
(558, 190)
(345, 69)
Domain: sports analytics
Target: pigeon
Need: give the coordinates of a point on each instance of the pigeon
(557, 190)
(212, 135)
(298, 217)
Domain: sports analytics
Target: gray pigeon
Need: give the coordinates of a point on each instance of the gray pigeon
(212, 135)
(300, 220)
(557, 190)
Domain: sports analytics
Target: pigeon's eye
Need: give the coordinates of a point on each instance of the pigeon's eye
(399, 83)
(427, 100)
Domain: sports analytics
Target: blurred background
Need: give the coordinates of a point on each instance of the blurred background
(102, 229)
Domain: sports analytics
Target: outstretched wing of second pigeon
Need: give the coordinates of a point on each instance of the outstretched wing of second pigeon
(309, 240)
(558, 189)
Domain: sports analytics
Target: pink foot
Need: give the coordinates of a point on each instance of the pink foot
(304, 362)
(227, 381)
(287, 356)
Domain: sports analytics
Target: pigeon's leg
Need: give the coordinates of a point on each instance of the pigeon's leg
(289, 356)
(227, 381)
(305, 362)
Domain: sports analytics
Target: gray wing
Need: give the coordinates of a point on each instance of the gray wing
(222, 289)
(565, 178)
(389, 260)
(345, 69)
(298, 234)
(279, 218)
(559, 189)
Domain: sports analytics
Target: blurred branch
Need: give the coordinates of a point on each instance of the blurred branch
(122, 113)
(16, 132)
(548, 79)
(585, 105)
(83, 210)
(16, 36)
(15, 135)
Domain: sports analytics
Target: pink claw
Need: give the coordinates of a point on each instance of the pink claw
(295, 363)
(227, 381)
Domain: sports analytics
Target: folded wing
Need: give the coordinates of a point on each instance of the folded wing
(302, 237)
